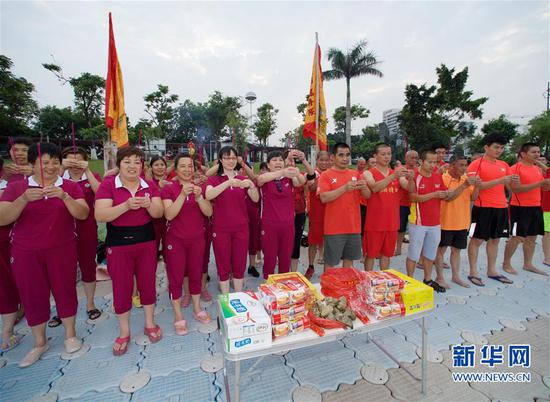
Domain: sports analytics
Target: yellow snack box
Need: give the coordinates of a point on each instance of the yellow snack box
(295, 276)
(416, 296)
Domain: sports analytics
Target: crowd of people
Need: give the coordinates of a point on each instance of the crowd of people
(51, 202)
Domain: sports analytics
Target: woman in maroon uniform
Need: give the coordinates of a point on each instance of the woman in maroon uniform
(228, 191)
(43, 208)
(185, 209)
(128, 204)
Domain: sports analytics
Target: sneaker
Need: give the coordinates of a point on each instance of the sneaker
(309, 272)
(252, 271)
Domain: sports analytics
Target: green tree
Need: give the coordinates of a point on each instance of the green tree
(158, 105)
(433, 113)
(188, 117)
(238, 125)
(367, 142)
(55, 123)
(499, 125)
(88, 92)
(266, 123)
(17, 107)
(340, 115)
(218, 109)
(354, 63)
(538, 132)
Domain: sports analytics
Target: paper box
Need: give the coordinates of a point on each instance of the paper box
(416, 296)
(243, 315)
(248, 343)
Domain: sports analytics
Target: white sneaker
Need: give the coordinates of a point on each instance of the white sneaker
(33, 356)
(72, 345)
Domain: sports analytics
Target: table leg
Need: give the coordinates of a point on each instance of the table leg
(424, 355)
(237, 381)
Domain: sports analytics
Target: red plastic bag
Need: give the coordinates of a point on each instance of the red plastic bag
(320, 323)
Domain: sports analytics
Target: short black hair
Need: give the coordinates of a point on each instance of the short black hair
(227, 150)
(494, 138)
(157, 158)
(380, 145)
(77, 150)
(438, 145)
(274, 154)
(127, 152)
(263, 165)
(339, 145)
(22, 140)
(526, 147)
(457, 156)
(184, 154)
(427, 152)
(46, 148)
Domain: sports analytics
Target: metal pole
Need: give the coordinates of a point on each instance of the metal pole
(317, 95)
(548, 97)
(424, 356)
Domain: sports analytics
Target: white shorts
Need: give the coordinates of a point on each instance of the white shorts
(423, 240)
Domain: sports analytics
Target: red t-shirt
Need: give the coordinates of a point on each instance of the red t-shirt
(343, 215)
(89, 194)
(4, 230)
(427, 213)
(45, 223)
(111, 188)
(546, 195)
(383, 209)
(527, 175)
(230, 206)
(189, 222)
(278, 201)
(316, 207)
(493, 197)
(299, 199)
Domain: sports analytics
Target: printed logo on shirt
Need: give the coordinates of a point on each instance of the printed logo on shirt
(263, 232)
(12, 260)
(169, 247)
(147, 195)
(421, 187)
(110, 251)
(502, 170)
(333, 180)
(214, 234)
(87, 185)
(437, 185)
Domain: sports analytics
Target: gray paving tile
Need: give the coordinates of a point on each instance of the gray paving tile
(360, 391)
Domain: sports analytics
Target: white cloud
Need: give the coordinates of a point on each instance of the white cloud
(258, 79)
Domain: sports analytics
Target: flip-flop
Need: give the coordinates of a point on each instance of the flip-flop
(93, 314)
(12, 342)
(548, 265)
(181, 327)
(54, 322)
(476, 281)
(154, 334)
(203, 317)
(33, 356)
(123, 349)
(501, 279)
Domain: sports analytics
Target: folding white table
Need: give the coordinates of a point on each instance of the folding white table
(310, 338)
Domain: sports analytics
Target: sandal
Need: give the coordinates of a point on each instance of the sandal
(436, 286)
(123, 345)
(203, 317)
(205, 295)
(54, 322)
(501, 279)
(476, 280)
(181, 327)
(10, 343)
(93, 314)
(154, 334)
(186, 300)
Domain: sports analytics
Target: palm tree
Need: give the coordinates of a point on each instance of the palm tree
(354, 63)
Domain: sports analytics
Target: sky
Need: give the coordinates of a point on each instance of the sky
(267, 47)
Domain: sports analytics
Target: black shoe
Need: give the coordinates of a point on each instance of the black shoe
(436, 286)
(207, 278)
(253, 272)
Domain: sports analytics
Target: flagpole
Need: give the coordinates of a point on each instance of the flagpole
(317, 95)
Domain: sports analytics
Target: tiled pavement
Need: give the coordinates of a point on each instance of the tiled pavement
(333, 372)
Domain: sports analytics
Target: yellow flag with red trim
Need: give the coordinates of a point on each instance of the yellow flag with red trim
(115, 116)
(315, 121)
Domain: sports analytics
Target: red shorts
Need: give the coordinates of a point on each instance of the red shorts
(125, 262)
(379, 244)
(278, 242)
(184, 259)
(39, 272)
(316, 233)
(9, 296)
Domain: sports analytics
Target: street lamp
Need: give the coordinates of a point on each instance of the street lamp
(250, 98)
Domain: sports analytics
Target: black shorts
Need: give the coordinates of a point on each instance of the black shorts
(299, 222)
(403, 218)
(454, 238)
(489, 223)
(526, 221)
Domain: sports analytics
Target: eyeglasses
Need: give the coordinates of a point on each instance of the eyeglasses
(229, 158)
(279, 186)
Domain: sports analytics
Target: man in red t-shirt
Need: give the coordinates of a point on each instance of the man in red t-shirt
(490, 212)
(526, 217)
(341, 190)
(426, 191)
(316, 213)
(546, 216)
(441, 166)
(411, 163)
(382, 221)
